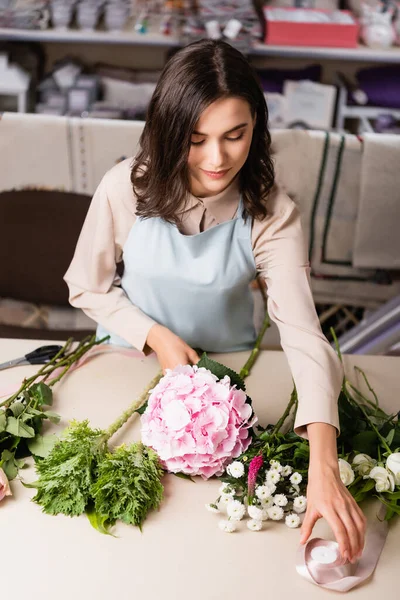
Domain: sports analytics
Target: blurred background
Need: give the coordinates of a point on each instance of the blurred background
(76, 77)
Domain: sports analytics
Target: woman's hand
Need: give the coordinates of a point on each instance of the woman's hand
(171, 350)
(329, 498)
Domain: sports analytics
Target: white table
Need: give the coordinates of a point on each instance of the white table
(181, 552)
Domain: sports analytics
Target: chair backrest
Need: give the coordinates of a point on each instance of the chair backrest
(39, 230)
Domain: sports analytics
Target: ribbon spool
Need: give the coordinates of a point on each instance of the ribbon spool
(320, 563)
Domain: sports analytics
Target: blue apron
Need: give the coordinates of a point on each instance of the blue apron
(196, 285)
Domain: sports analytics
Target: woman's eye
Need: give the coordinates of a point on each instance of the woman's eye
(235, 139)
(197, 143)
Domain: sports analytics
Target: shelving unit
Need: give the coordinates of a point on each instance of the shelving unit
(129, 37)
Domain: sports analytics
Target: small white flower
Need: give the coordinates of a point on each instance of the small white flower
(235, 469)
(292, 520)
(263, 491)
(286, 471)
(296, 478)
(223, 502)
(267, 503)
(275, 513)
(236, 510)
(271, 487)
(212, 508)
(363, 463)
(300, 504)
(393, 465)
(384, 481)
(254, 525)
(273, 476)
(280, 500)
(294, 489)
(227, 526)
(226, 490)
(276, 465)
(255, 512)
(346, 472)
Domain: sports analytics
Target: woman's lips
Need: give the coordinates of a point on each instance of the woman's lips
(215, 174)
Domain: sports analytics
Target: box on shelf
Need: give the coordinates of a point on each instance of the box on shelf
(300, 27)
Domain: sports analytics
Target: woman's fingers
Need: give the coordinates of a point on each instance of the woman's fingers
(308, 524)
(193, 356)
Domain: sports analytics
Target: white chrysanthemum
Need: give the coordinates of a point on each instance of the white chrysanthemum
(275, 513)
(212, 508)
(286, 471)
(226, 490)
(255, 512)
(276, 465)
(296, 478)
(254, 525)
(267, 503)
(271, 487)
(294, 489)
(280, 500)
(264, 491)
(292, 520)
(235, 469)
(227, 526)
(223, 502)
(300, 504)
(273, 476)
(236, 510)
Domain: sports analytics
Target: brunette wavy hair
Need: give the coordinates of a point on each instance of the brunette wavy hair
(192, 79)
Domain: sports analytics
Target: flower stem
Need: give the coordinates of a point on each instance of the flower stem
(55, 363)
(292, 402)
(245, 371)
(133, 407)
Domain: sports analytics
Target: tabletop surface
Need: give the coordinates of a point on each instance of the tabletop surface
(181, 552)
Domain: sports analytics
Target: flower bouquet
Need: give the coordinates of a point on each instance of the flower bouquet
(269, 479)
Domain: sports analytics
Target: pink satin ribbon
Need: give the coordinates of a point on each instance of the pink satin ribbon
(101, 349)
(319, 568)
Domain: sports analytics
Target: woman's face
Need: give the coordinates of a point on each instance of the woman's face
(220, 145)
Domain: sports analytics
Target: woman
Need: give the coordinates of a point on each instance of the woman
(194, 217)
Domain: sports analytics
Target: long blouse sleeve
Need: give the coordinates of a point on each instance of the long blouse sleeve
(281, 257)
(92, 275)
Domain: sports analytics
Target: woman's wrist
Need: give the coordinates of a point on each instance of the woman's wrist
(153, 336)
(323, 450)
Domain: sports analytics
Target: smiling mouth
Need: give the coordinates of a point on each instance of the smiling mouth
(216, 174)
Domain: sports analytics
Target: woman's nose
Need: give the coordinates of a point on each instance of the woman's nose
(216, 157)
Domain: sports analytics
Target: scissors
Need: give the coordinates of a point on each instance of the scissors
(40, 356)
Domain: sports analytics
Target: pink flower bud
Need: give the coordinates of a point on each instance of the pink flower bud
(254, 466)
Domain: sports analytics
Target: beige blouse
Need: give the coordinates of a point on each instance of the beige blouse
(280, 255)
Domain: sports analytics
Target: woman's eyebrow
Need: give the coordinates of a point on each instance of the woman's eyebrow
(226, 132)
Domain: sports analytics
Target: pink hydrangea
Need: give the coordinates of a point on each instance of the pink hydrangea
(195, 422)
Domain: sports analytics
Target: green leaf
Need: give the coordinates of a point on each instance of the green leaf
(42, 393)
(283, 447)
(390, 436)
(42, 445)
(10, 469)
(391, 505)
(99, 523)
(369, 485)
(8, 464)
(365, 442)
(184, 476)
(17, 408)
(141, 410)
(3, 421)
(220, 371)
(52, 416)
(19, 428)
